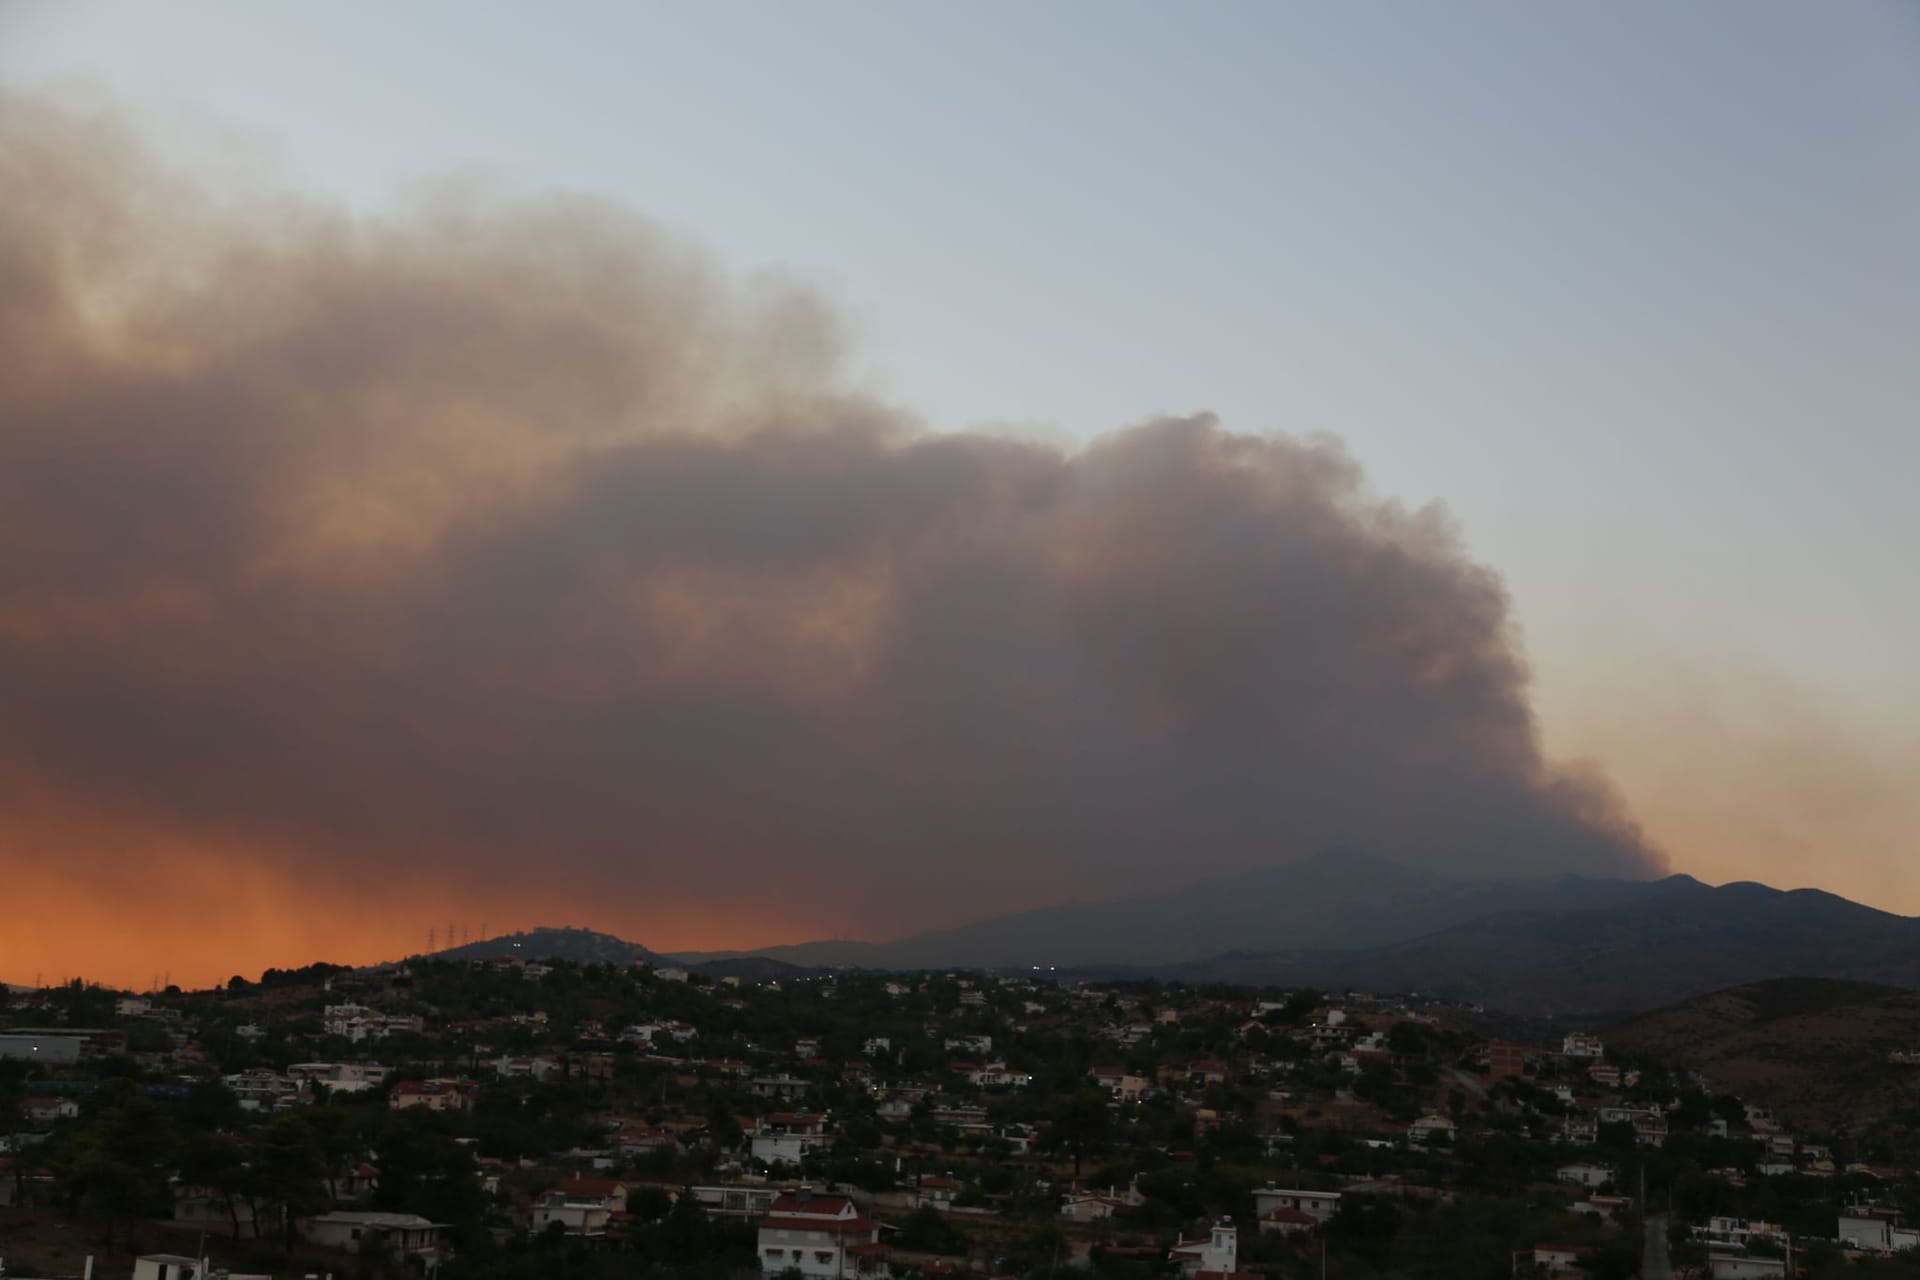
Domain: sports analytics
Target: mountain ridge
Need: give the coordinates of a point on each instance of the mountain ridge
(1337, 899)
(1554, 946)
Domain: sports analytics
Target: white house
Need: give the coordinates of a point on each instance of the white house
(1587, 1175)
(1283, 1209)
(1579, 1044)
(406, 1234)
(583, 1206)
(1429, 1129)
(47, 1110)
(787, 1136)
(996, 1075)
(820, 1236)
(1877, 1234)
(167, 1266)
(1731, 1265)
(1220, 1251)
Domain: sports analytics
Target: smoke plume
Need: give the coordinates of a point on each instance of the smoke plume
(506, 550)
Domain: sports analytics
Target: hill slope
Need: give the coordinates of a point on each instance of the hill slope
(583, 946)
(1814, 1050)
(1681, 938)
(1338, 899)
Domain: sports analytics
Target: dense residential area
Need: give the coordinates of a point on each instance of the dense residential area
(501, 1117)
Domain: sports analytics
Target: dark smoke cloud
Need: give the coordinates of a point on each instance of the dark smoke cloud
(510, 540)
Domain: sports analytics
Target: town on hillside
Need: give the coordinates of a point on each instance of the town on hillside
(500, 1118)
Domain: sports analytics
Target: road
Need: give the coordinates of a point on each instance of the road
(1654, 1263)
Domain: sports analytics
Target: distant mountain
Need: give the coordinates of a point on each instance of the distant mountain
(582, 946)
(754, 969)
(1679, 938)
(1347, 920)
(1812, 1049)
(1338, 899)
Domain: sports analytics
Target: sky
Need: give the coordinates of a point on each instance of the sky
(1630, 292)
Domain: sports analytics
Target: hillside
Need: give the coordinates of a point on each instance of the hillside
(1681, 939)
(1338, 899)
(582, 946)
(1814, 1050)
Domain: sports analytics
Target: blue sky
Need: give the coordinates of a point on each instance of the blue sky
(1634, 289)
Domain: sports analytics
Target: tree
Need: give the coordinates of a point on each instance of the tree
(116, 1160)
(926, 1231)
(288, 1174)
(1081, 1120)
(217, 1163)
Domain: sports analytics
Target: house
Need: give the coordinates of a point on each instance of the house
(1507, 1060)
(996, 1075)
(1205, 1073)
(1738, 1232)
(511, 1068)
(969, 1044)
(48, 1110)
(1587, 1175)
(1579, 1044)
(1430, 1130)
(1727, 1264)
(735, 1201)
(936, 1191)
(1288, 1222)
(787, 1136)
(583, 1206)
(1281, 1208)
(1219, 1251)
(640, 1140)
(780, 1086)
(132, 1007)
(819, 1236)
(406, 1234)
(338, 1077)
(1877, 1233)
(434, 1095)
(1579, 1131)
(1116, 1081)
(1559, 1259)
(1082, 1206)
(167, 1266)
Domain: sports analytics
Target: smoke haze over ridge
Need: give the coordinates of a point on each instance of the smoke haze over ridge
(504, 555)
